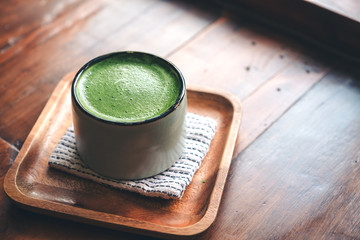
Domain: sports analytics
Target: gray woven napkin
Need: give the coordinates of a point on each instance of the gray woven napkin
(169, 184)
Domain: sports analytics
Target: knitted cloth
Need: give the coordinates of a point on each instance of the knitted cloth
(169, 184)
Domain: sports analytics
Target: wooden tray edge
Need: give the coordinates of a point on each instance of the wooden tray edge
(215, 199)
(10, 186)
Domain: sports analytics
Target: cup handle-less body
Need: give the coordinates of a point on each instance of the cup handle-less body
(130, 152)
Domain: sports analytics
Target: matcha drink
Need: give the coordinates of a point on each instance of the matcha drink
(128, 88)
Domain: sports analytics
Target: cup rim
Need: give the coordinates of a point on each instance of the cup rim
(149, 120)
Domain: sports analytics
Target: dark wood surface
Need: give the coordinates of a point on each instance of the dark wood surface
(295, 172)
(330, 24)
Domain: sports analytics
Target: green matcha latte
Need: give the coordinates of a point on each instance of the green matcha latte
(128, 87)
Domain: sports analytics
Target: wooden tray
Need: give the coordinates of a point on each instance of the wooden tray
(33, 185)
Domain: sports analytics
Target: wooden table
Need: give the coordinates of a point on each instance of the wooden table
(295, 172)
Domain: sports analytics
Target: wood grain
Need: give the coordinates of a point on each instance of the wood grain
(276, 74)
(35, 13)
(296, 176)
(248, 58)
(299, 179)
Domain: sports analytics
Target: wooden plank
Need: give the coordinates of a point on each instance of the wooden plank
(34, 13)
(299, 180)
(281, 92)
(54, 26)
(45, 57)
(252, 55)
(314, 23)
(261, 69)
(161, 29)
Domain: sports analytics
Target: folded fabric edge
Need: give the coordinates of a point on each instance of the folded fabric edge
(202, 128)
(103, 181)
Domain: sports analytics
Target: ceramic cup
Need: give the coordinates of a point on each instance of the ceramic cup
(130, 149)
